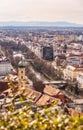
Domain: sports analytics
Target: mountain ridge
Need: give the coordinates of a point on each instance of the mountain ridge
(40, 23)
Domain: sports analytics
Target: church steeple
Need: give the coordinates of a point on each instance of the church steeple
(21, 73)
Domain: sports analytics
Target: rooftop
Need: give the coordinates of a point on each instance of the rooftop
(21, 64)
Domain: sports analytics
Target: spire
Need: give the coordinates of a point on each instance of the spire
(21, 64)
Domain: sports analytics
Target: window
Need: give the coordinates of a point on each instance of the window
(21, 71)
(21, 77)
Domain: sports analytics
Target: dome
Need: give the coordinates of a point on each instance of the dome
(21, 64)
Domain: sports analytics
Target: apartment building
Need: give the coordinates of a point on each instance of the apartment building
(80, 79)
(5, 68)
(75, 59)
(71, 72)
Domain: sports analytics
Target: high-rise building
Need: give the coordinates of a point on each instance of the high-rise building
(47, 53)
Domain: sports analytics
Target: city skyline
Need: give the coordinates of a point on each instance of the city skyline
(42, 10)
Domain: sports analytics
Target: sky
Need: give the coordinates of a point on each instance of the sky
(42, 10)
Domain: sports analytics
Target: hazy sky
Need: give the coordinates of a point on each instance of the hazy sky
(41, 10)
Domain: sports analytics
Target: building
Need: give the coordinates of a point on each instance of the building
(5, 65)
(71, 72)
(60, 38)
(60, 59)
(80, 79)
(3, 86)
(73, 37)
(5, 68)
(47, 53)
(21, 74)
(75, 59)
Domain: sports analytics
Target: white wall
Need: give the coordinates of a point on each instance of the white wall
(5, 68)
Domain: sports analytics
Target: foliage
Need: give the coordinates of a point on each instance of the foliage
(31, 117)
(45, 68)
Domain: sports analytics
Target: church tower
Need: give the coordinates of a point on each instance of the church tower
(21, 73)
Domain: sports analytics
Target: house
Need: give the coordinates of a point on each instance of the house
(71, 72)
(80, 79)
(32, 94)
(51, 91)
(75, 59)
(60, 59)
(75, 108)
(46, 100)
(56, 93)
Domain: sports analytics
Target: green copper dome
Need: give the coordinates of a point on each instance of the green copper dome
(21, 64)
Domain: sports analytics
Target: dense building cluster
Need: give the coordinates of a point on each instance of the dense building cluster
(62, 49)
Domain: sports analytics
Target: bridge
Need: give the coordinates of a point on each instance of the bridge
(58, 82)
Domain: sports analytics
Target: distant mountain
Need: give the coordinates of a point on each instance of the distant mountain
(47, 24)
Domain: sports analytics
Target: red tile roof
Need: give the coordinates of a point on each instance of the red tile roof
(3, 86)
(52, 91)
(32, 94)
(46, 100)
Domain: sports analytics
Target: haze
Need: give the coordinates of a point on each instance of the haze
(42, 10)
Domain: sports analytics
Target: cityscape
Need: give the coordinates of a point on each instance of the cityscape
(41, 73)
